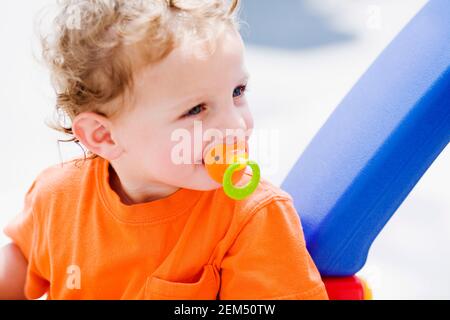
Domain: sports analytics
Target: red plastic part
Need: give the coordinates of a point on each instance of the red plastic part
(344, 288)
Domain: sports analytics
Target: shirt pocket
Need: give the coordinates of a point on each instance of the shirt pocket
(206, 288)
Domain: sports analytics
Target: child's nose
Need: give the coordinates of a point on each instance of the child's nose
(233, 120)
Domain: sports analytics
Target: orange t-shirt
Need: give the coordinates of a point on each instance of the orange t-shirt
(82, 242)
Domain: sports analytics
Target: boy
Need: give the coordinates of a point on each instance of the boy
(131, 222)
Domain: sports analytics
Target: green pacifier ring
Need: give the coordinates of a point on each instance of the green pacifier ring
(243, 192)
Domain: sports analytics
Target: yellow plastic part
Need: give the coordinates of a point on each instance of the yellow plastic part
(368, 294)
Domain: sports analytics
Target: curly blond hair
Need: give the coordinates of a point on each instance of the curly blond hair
(95, 46)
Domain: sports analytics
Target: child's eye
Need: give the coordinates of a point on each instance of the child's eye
(239, 91)
(195, 110)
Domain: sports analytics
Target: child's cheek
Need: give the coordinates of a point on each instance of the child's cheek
(168, 159)
(169, 169)
(183, 152)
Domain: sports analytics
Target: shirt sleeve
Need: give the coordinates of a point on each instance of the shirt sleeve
(269, 259)
(24, 231)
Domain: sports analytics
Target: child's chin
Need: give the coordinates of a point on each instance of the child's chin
(201, 180)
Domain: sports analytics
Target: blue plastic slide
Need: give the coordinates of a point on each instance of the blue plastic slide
(376, 145)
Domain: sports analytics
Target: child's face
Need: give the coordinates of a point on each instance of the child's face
(172, 95)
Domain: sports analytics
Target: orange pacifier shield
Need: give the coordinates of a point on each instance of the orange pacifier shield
(226, 163)
(218, 158)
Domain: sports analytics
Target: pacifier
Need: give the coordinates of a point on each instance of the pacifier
(226, 164)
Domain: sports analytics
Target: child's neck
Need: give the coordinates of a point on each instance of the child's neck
(130, 193)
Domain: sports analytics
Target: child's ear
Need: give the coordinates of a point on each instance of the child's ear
(94, 132)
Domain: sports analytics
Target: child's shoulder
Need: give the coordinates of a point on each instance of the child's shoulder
(65, 177)
(267, 190)
(262, 215)
(265, 194)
